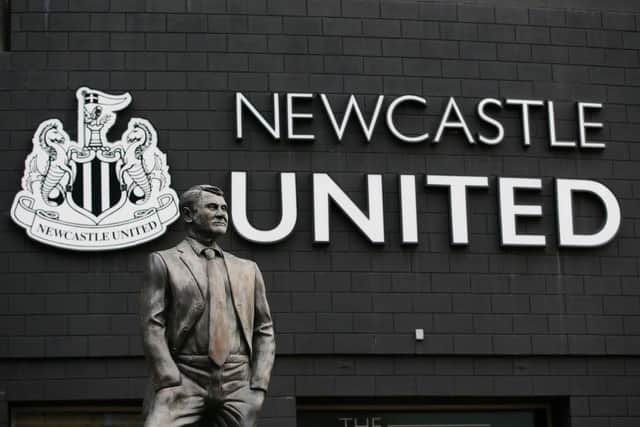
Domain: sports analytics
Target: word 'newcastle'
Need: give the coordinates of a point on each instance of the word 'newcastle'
(451, 118)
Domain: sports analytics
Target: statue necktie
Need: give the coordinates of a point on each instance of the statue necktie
(218, 327)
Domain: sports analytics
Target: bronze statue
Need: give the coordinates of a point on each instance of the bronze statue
(206, 325)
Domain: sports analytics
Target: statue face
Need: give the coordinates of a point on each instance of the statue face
(209, 217)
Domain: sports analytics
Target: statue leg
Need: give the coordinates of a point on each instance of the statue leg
(179, 406)
(237, 405)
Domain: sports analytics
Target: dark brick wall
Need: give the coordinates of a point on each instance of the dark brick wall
(182, 63)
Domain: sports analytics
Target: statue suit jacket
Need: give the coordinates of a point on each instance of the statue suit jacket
(173, 299)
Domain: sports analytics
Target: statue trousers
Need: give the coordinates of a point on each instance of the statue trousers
(207, 396)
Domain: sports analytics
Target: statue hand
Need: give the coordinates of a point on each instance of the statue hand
(258, 398)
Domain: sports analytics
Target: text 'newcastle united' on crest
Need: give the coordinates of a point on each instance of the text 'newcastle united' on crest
(93, 194)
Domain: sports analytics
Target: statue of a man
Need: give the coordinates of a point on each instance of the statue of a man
(206, 325)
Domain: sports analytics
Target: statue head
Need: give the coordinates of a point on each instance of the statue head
(204, 212)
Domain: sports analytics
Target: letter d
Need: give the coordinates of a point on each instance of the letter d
(566, 233)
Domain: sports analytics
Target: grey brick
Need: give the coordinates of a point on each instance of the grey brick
(145, 22)
(567, 324)
(227, 24)
(609, 406)
(471, 303)
(207, 42)
(106, 60)
(324, 7)
(622, 305)
(127, 41)
(302, 25)
(311, 302)
(127, 5)
(361, 8)
(583, 18)
(453, 323)
(265, 24)
(325, 45)
(186, 23)
(342, 26)
(549, 344)
(552, 54)
(510, 304)
(418, 67)
(89, 41)
(383, 66)
(166, 42)
(547, 304)
(247, 43)
(571, 37)
(232, 61)
(286, 7)
(463, 69)
(458, 31)
(108, 22)
(438, 11)
(473, 13)
(512, 15)
(68, 22)
(164, 6)
(514, 52)
(166, 80)
(475, 50)
(208, 6)
(187, 61)
(439, 49)
(261, 62)
(496, 33)
(472, 344)
(538, 35)
(399, 9)
(511, 344)
(287, 44)
(612, 39)
(549, 17)
(420, 29)
(618, 21)
(381, 28)
(66, 346)
(108, 346)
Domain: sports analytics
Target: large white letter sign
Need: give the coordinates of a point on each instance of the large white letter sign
(458, 201)
(391, 124)
(291, 116)
(567, 236)
(525, 104)
(459, 123)
(239, 209)
(551, 121)
(274, 129)
(582, 125)
(509, 211)
(490, 120)
(324, 188)
(352, 106)
(409, 209)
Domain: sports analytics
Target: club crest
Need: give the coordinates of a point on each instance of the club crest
(94, 194)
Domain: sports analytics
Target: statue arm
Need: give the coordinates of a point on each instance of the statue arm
(154, 307)
(264, 345)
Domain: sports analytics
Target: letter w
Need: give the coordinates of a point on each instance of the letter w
(351, 106)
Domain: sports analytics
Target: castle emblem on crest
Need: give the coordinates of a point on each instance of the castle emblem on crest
(93, 194)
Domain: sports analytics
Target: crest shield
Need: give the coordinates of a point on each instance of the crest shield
(94, 194)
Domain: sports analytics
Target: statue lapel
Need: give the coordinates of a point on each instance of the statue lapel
(197, 268)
